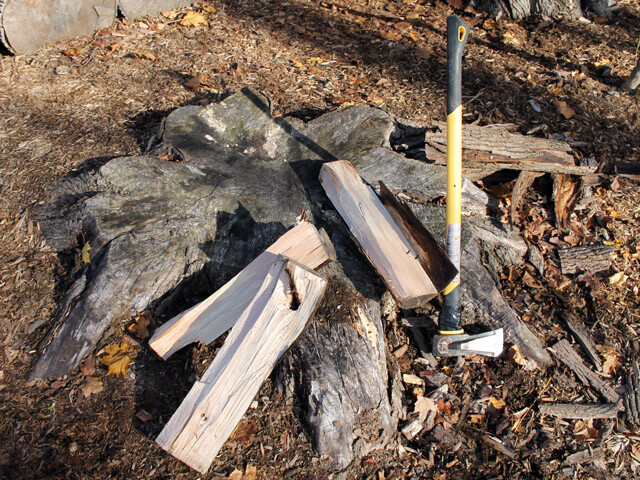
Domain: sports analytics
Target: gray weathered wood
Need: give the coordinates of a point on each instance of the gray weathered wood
(586, 258)
(584, 339)
(585, 456)
(496, 145)
(524, 181)
(632, 395)
(28, 25)
(567, 355)
(338, 369)
(580, 410)
(133, 9)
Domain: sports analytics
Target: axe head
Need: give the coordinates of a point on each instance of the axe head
(453, 345)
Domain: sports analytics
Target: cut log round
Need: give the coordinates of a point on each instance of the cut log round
(52, 21)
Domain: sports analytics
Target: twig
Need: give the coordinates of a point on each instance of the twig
(516, 425)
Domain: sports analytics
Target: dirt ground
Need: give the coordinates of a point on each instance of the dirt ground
(102, 97)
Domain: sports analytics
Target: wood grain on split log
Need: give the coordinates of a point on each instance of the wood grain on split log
(524, 181)
(338, 369)
(584, 339)
(264, 331)
(496, 145)
(580, 410)
(210, 318)
(587, 258)
(567, 355)
(377, 234)
(432, 256)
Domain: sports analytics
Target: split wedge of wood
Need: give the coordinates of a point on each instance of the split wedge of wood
(210, 318)
(271, 321)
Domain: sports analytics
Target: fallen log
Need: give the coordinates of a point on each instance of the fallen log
(586, 258)
(567, 355)
(264, 331)
(210, 318)
(584, 411)
(496, 145)
(383, 242)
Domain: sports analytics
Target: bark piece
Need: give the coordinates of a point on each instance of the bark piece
(586, 258)
(432, 256)
(582, 411)
(585, 456)
(52, 21)
(566, 192)
(567, 355)
(377, 234)
(498, 446)
(633, 81)
(338, 370)
(496, 145)
(524, 181)
(632, 396)
(262, 334)
(210, 318)
(584, 339)
(133, 9)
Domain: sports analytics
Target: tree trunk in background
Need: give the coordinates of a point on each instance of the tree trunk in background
(519, 9)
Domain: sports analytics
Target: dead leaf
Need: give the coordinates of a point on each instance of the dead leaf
(515, 356)
(72, 52)
(617, 278)
(209, 9)
(112, 48)
(86, 248)
(423, 406)
(193, 19)
(170, 14)
(145, 54)
(88, 367)
(563, 108)
(236, 475)
(250, 473)
(529, 281)
(314, 60)
(611, 358)
(90, 386)
(508, 38)
(139, 327)
(497, 403)
(244, 432)
(198, 81)
(584, 430)
(117, 358)
(476, 418)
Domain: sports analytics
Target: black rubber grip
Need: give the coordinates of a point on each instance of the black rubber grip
(457, 34)
(450, 319)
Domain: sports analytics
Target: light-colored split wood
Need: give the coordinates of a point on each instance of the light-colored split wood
(210, 318)
(377, 235)
(285, 300)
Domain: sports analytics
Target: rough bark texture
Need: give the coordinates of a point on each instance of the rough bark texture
(520, 9)
(580, 410)
(346, 418)
(632, 396)
(587, 258)
(584, 339)
(567, 355)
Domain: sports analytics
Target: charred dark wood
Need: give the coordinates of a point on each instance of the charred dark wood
(346, 419)
(567, 355)
(582, 411)
(586, 258)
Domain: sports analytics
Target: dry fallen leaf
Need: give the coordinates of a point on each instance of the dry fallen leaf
(563, 109)
(209, 9)
(423, 406)
(611, 358)
(314, 60)
(90, 386)
(198, 81)
(389, 35)
(193, 19)
(497, 403)
(250, 473)
(139, 327)
(86, 248)
(72, 52)
(88, 367)
(117, 358)
(584, 430)
(617, 278)
(145, 54)
(244, 432)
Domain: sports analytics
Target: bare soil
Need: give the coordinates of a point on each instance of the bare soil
(96, 98)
